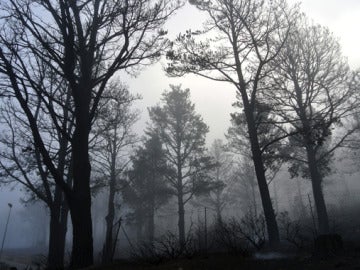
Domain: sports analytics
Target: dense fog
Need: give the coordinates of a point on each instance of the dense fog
(129, 132)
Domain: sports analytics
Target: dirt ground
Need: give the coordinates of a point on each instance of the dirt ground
(229, 262)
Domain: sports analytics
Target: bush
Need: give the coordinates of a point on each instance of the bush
(294, 232)
(237, 236)
(226, 236)
(164, 248)
(252, 228)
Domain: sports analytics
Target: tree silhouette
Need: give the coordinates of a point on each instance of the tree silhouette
(147, 189)
(310, 96)
(182, 133)
(236, 47)
(84, 43)
(111, 147)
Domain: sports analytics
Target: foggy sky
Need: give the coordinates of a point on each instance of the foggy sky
(213, 99)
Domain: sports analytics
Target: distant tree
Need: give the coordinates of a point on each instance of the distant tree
(244, 193)
(182, 133)
(111, 147)
(220, 177)
(85, 43)
(238, 51)
(311, 95)
(146, 188)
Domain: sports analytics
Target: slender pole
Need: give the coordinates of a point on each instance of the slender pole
(6, 226)
(205, 231)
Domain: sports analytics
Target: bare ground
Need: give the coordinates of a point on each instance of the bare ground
(232, 262)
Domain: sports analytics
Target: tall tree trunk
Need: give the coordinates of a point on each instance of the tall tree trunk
(80, 199)
(316, 180)
(55, 254)
(303, 212)
(271, 224)
(58, 217)
(82, 249)
(63, 227)
(58, 229)
(151, 223)
(181, 222)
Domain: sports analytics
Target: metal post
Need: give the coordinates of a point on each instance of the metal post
(6, 226)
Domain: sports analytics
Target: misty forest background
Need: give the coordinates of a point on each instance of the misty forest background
(96, 187)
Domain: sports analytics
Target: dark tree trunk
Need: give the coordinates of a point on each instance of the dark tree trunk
(181, 222)
(316, 180)
(56, 250)
(63, 226)
(58, 229)
(57, 241)
(271, 224)
(58, 217)
(80, 199)
(82, 250)
(303, 212)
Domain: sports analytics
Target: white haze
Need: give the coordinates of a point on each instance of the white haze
(213, 100)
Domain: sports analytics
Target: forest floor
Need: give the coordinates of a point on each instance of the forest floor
(230, 262)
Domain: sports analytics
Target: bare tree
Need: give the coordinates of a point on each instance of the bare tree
(312, 96)
(21, 163)
(239, 50)
(111, 148)
(85, 43)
